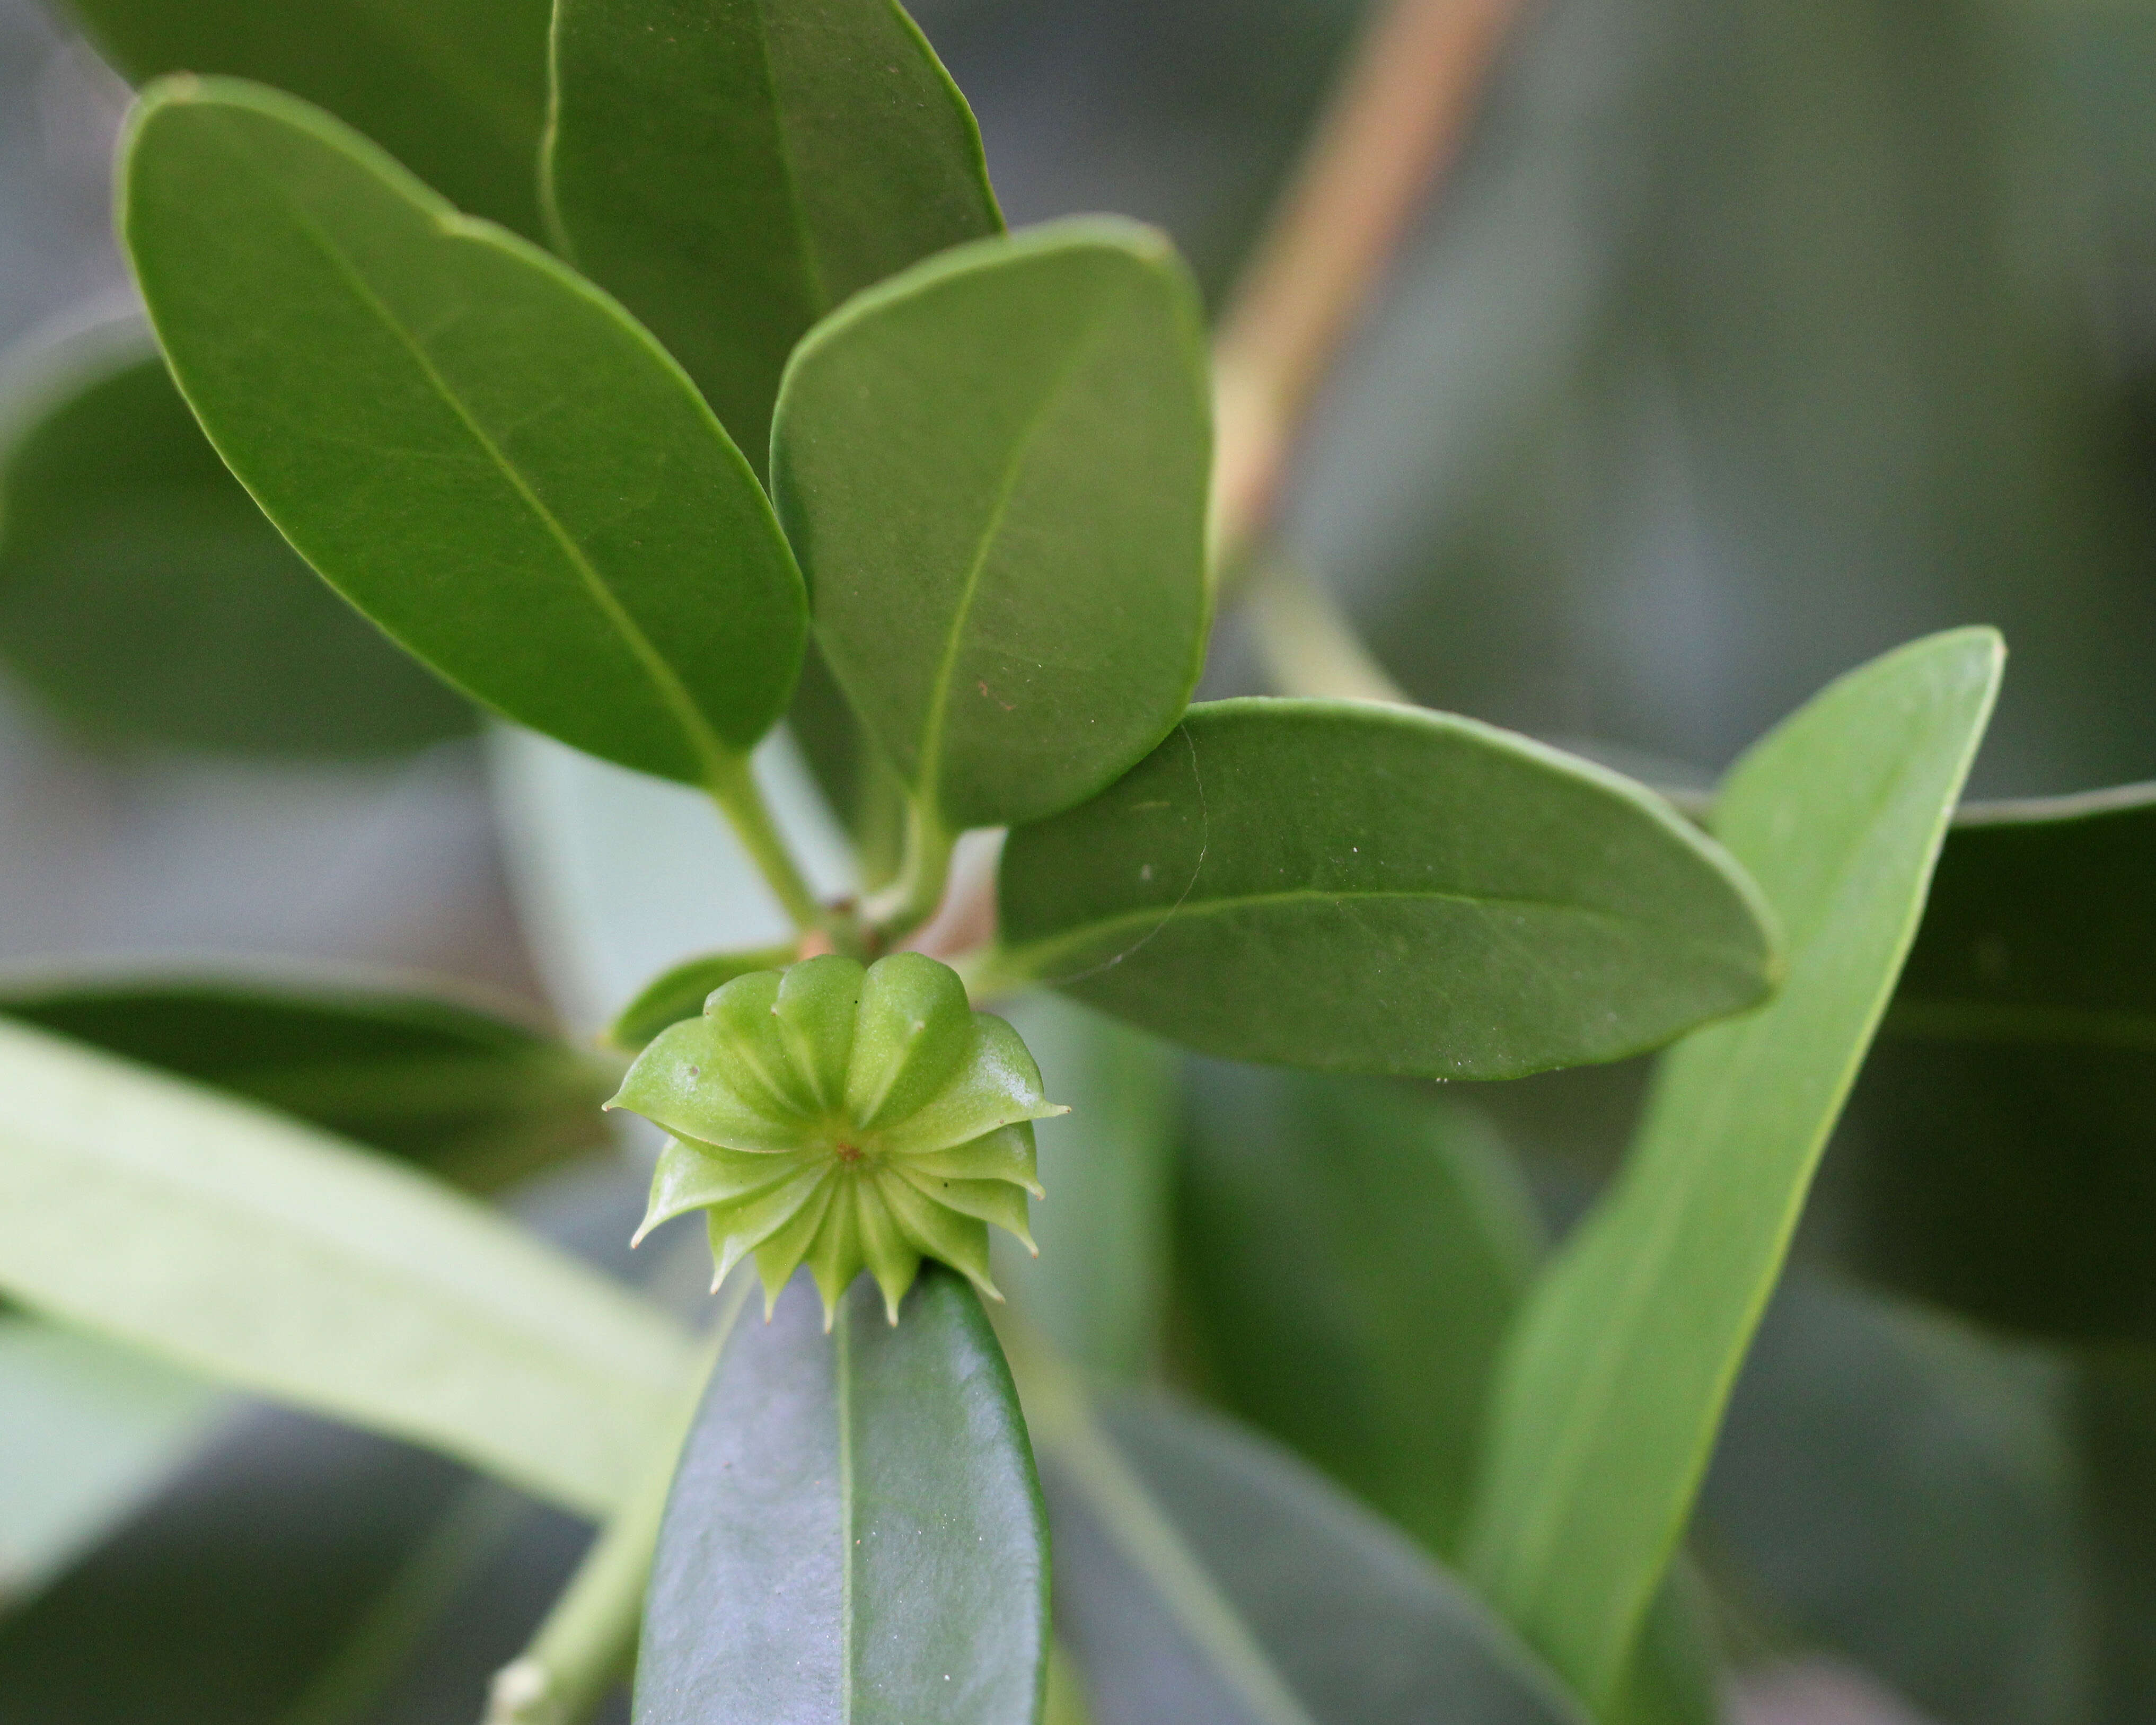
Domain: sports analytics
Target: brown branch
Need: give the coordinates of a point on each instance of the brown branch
(1395, 123)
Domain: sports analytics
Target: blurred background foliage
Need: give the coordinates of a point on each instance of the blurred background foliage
(1746, 340)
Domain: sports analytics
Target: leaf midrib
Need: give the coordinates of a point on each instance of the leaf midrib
(936, 719)
(1047, 948)
(673, 693)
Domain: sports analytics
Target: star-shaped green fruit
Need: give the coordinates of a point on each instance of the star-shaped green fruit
(844, 1117)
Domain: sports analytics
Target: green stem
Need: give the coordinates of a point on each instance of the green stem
(588, 1641)
(923, 881)
(1308, 645)
(734, 788)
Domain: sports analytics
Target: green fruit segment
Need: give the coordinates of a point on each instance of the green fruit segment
(845, 1117)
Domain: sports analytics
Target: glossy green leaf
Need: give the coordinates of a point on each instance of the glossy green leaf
(474, 446)
(1100, 1289)
(681, 992)
(734, 169)
(1203, 1574)
(145, 596)
(854, 1530)
(456, 90)
(1615, 1376)
(257, 1250)
(476, 1098)
(1996, 1155)
(993, 469)
(89, 1429)
(1340, 885)
(1354, 1252)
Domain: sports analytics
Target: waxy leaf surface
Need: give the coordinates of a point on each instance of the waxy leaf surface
(456, 90)
(1615, 1376)
(994, 469)
(262, 1251)
(854, 1530)
(474, 446)
(476, 1098)
(1347, 886)
(146, 599)
(734, 169)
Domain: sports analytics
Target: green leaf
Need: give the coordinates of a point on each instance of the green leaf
(478, 1100)
(1333, 885)
(1994, 1158)
(474, 446)
(1201, 1574)
(456, 90)
(854, 1530)
(1352, 1252)
(1615, 1376)
(1100, 1289)
(993, 469)
(680, 993)
(91, 1430)
(146, 599)
(254, 1249)
(1351, 1233)
(734, 169)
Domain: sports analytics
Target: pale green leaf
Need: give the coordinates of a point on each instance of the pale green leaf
(253, 1248)
(1615, 1376)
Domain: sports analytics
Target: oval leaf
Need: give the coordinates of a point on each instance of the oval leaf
(1339, 885)
(994, 469)
(1615, 1375)
(262, 1251)
(456, 90)
(733, 169)
(474, 446)
(145, 598)
(478, 1099)
(855, 1531)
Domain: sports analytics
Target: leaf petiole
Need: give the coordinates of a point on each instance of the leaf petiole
(923, 878)
(733, 787)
